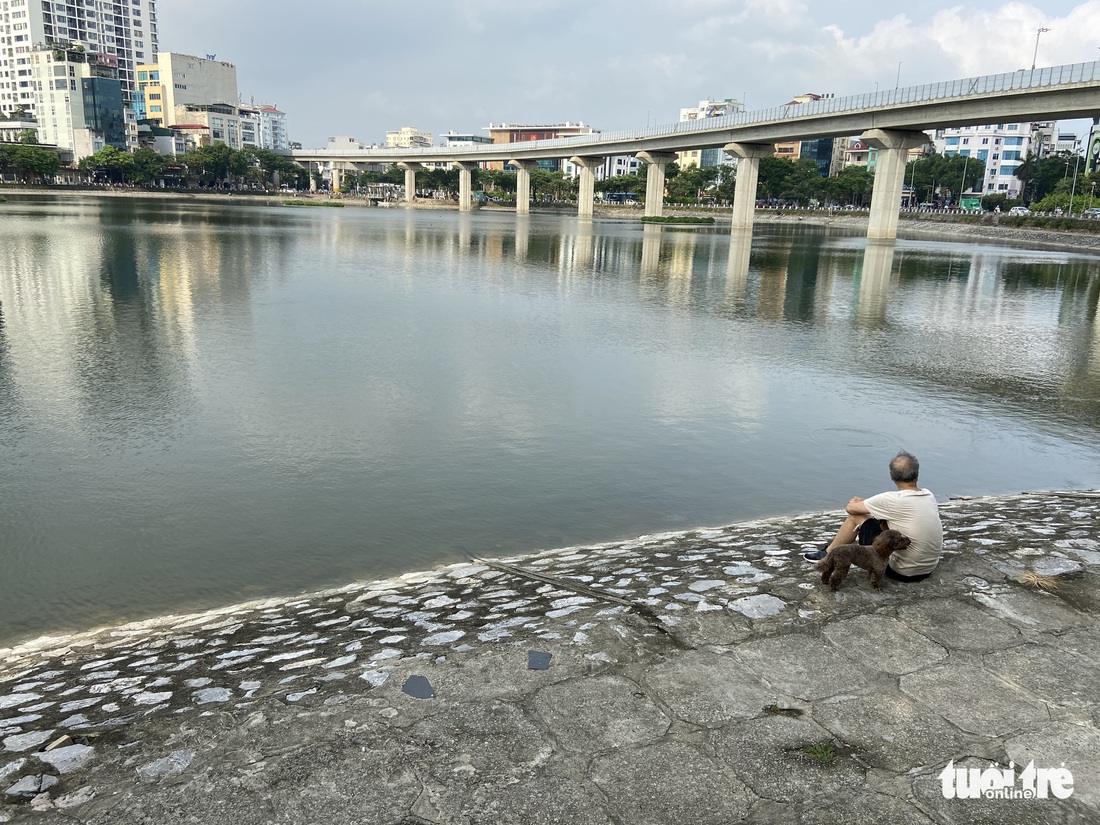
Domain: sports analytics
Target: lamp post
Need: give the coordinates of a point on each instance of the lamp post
(1038, 34)
(1073, 189)
(962, 184)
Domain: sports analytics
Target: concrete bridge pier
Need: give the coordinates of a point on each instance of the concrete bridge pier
(587, 191)
(310, 175)
(523, 184)
(748, 172)
(337, 178)
(893, 151)
(465, 185)
(655, 181)
(410, 179)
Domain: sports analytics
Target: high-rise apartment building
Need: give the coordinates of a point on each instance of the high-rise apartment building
(125, 30)
(177, 79)
(78, 101)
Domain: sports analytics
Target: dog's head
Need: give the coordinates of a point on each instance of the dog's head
(889, 541)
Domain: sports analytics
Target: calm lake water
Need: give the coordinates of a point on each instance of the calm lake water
(203, 404)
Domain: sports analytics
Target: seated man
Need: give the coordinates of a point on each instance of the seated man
(910, 510)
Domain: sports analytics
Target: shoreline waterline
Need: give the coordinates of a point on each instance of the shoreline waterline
(50, 644)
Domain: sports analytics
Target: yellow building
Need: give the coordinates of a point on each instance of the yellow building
(181, 79)
(408, 137)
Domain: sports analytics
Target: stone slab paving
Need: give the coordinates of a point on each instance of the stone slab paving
(705, 676)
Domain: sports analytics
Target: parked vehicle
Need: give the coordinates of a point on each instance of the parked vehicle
(1019, 210)
(1094, 212)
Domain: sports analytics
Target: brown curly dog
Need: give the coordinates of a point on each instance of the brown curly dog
(834, 567)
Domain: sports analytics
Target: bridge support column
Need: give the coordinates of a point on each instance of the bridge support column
(410, 179)
(587, 191)
(893, 150)
(312, 177)
(465, 185)
(523, 184)
(337, 179)
(748, 172)
(655, 181)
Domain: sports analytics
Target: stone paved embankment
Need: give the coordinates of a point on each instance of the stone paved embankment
(703, 677)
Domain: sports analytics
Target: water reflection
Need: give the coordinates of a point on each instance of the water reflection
(874, 283)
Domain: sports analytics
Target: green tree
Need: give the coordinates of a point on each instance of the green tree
(772, 176)
(147, 166)
(35, 162)
(689, 183)
(210, 164)
(113, 164)
(29, 137)
(853, 185)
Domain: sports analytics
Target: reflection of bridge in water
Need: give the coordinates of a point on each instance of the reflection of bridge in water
(893, 121)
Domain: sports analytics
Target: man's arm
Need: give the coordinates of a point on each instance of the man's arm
(856, 507)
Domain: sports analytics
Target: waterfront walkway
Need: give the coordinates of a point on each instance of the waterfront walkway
(704, 677)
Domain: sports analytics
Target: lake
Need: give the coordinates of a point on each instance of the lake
(203, 403)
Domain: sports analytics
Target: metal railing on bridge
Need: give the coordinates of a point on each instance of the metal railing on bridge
(1019, 80)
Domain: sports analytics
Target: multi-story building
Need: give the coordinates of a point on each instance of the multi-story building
(1002, 147)
(180, 79)
(78, 100)
(705, 158)
(453, 138)
(126, 32)
(829, 154)
(611, 167)
(11, 131)
(206, 123)
(517, 133)
(273, 131)
(408, 137)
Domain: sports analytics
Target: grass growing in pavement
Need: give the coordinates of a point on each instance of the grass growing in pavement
(823, 752)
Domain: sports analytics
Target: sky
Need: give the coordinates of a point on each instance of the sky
(362, 67)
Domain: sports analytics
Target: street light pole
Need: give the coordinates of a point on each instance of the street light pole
(897, 83)
(1036, 55)
(962, 184)
(1073, 190)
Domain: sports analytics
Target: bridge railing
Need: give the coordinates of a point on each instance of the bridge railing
(1019, 80)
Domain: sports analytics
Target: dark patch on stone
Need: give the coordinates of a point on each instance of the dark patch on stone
(775, 710)
(418, 687)
(538, 660)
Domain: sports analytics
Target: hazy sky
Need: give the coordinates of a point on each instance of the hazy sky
(361, 67)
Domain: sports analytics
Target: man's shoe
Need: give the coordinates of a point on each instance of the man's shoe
(816, 555)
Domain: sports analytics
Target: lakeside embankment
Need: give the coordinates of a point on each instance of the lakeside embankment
(705, 676)
(913, 225)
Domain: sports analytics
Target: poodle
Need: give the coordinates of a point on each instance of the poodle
(834, 567)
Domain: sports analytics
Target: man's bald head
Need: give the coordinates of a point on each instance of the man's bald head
(904, 467)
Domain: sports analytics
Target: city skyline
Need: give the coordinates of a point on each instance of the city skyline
(463, 66)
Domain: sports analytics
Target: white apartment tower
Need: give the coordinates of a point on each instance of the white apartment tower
(125, 30)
